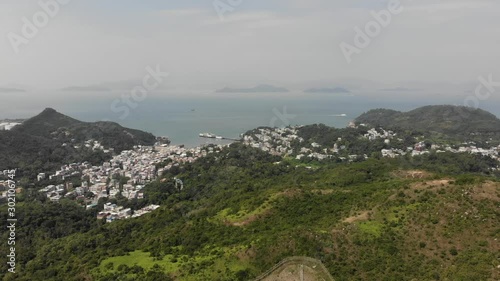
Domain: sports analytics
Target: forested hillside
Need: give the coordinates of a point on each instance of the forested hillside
(243, 210)
(47, 141)
(54, 125)
(446, 119)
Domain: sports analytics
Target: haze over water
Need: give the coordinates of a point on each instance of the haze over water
(229, 115)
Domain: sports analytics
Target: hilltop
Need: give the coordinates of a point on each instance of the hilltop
(46, 122)
(51, 139)
(445, 119)
(54, 125)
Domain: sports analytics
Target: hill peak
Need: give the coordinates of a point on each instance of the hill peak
(439, 118)
(58, 127)
(46, 122)
(49, 110)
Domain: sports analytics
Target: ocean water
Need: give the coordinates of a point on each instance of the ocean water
(183, 118)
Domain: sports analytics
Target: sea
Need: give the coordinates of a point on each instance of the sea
(183, 118)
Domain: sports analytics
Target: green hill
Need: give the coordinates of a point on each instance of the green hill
(241, 213)
(47, 141)
(54, 125)
(446, 119)
(45, 123)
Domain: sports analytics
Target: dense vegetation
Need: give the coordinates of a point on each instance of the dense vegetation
(428, 217)
(450, 120)
(38, 144)
(54, 125)
(243, 210)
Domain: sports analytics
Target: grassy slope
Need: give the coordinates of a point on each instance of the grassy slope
(425, 228)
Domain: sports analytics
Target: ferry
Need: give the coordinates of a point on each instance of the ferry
(207, 135)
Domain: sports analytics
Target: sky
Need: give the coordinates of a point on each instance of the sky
(292, 43)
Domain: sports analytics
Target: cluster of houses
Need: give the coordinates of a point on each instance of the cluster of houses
(176, 155)
(4, 184)
(277, 141)
(420, 148)
(6, 126)
(112, 212)
(56, 192)
(470, 147)
(124, 175)
(373, 134)
(89, 144)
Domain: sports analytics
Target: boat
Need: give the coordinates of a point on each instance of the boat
(207, 135)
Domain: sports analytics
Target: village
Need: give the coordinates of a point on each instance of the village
(113, 212)
(125, 175)
(279, 141)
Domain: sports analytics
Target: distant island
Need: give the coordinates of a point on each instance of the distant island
(257, 89)
(337, 90)
(11, 90)
(86, 89)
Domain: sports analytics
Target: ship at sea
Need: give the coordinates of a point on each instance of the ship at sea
(207, 135)
(213, 136)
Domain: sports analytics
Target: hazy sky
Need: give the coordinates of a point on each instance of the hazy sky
(287, 42)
